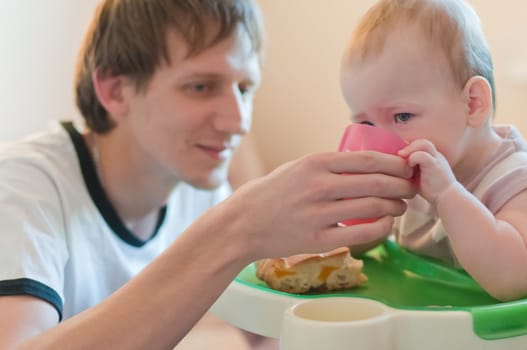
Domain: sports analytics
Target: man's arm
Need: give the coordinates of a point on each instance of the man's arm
(292, 210)
(157, 308)
(23, 317)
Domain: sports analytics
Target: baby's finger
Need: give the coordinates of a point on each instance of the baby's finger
(418, 145)
(425, 160)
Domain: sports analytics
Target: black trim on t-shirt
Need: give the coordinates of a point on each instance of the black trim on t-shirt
(99, 196)
(26, 286)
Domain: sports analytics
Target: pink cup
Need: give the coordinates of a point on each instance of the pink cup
(363, 137)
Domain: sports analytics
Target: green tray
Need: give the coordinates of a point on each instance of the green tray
(403, 280)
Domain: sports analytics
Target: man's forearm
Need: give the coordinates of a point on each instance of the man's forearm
(156, 309)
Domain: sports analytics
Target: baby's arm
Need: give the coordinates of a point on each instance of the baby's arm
(492, 249)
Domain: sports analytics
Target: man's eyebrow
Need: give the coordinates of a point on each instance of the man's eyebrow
(217, 77)
(202, 75)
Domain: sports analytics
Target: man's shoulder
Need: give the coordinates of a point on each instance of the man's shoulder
(50, 143)
(48, 154)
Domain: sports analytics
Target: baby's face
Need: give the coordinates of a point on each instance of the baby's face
(409, 89)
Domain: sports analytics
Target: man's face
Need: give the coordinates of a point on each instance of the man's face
(408, 89)
(194, 111)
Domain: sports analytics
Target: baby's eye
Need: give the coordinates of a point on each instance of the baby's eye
(402, 117)
(365, 122)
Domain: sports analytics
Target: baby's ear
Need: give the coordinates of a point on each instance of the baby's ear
(478, 94)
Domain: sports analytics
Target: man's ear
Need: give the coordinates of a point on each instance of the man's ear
(478, 95)
(109, 91)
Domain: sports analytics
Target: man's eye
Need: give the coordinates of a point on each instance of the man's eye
(243, 90)
(402, 117)
(200, 87)
(246, 89)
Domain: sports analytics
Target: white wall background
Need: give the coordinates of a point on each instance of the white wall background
(38, 44)
(299, 108)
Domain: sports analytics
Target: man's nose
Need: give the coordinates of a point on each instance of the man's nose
(234, 114)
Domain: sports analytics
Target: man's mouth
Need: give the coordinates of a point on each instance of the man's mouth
(216, 152)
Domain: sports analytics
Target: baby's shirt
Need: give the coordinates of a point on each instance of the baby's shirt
(505, 175)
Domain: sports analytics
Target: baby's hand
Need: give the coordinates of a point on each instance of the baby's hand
(435, 174)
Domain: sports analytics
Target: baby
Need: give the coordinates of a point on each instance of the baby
(422, 69)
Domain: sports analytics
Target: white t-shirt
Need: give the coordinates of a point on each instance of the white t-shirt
(60, 238)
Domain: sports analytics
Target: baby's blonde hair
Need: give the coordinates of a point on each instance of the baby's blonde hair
(451, 25)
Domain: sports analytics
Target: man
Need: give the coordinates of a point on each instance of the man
(114, 231)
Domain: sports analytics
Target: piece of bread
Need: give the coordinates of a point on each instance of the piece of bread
(333, 270)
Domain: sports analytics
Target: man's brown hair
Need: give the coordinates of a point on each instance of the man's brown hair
(128, 37)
